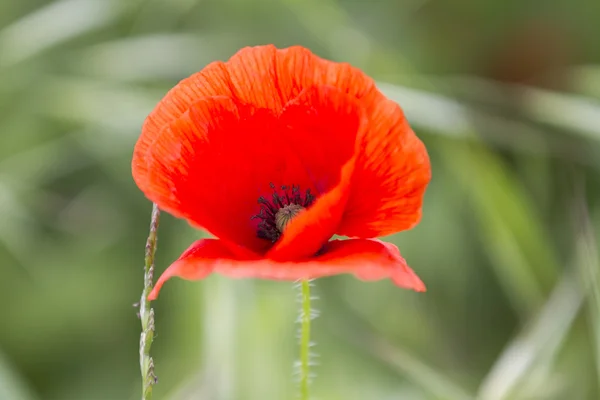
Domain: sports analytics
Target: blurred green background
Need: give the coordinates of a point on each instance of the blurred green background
(505, 94)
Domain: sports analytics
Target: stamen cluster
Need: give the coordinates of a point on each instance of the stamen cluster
(277, 212)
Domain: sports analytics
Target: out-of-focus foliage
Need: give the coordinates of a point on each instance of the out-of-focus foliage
(506, 95)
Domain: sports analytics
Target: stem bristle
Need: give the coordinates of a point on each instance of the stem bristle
(307, 313)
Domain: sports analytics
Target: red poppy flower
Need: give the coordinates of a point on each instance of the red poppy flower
(275, 151)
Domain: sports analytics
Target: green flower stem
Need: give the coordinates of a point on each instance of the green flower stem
(305, 317)
(147, 313)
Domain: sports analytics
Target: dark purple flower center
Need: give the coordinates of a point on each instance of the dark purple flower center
(275, 214)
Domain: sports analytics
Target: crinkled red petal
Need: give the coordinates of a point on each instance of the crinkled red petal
(367, 259)
(391, 175)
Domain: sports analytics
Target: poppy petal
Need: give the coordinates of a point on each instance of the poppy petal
(325, 125)
(391, 175)
(367, 259)
(263, 76)
(195, 168)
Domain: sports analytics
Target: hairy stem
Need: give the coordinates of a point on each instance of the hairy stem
(305, 317)
(147, 313)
